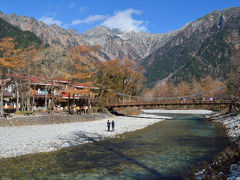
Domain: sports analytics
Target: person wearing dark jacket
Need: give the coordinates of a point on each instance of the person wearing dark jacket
(108, 125)
(113, 125)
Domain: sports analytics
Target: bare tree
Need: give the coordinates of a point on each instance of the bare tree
(53, 63)
(234, 76)
(28, 61)
(233, 83)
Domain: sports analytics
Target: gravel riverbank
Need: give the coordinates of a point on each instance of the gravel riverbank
(232, 124)
(20, 140)
(227, 164)
(44, 119)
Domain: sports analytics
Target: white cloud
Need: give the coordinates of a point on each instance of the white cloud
(124, 20)
(72, 5)
(89, 19)
(50, 20)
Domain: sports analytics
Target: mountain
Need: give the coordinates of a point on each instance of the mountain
(202, 48)
(115, 43)
(23, 38)
(52, 35)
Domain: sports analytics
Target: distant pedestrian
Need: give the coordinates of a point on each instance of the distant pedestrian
(214, 99)
(78, 110)
(108, 125)
(210, 99)
(113, 125)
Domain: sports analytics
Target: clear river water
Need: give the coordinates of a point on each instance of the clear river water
(166, 150)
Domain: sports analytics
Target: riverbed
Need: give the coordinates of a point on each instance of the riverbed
(169, 149)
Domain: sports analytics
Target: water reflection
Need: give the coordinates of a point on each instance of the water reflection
(166, 150)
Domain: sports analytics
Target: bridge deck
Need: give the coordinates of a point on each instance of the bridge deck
(168, 103)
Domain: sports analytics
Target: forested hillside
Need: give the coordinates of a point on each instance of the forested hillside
(199, 49)
(203, 48)
(22, 38)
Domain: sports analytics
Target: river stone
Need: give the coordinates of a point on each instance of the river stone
(66, 144)
(200, 175)
(52, 149)
(221, 174)
(233, 167)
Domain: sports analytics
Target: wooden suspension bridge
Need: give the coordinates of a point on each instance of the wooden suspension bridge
(172, 104)
(190, 101)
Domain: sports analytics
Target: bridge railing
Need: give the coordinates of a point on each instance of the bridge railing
(170, 102)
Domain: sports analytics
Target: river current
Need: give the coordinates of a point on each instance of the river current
(166, 150)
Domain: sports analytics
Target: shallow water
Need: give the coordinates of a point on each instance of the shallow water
(166, 150)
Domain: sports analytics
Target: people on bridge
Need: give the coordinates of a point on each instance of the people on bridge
(210, 99)
(108, 125)
(214, 99)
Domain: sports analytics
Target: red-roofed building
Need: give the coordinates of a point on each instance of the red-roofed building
(65, 92)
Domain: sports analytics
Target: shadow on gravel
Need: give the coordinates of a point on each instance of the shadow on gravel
(115, 113)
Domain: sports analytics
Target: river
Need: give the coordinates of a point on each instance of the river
(166, 150)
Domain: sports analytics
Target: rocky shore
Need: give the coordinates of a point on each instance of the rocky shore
(227, 164)
(44, 137)
(44, 119)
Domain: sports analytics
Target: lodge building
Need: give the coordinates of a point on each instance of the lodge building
(65, 93)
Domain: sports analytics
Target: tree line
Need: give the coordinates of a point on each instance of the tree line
(114, 79)
(77, 64)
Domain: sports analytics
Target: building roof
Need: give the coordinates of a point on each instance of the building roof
(41, 80)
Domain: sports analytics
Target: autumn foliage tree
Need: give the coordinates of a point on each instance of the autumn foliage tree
(80, 62)
(206, 87)
(131, 80)
(117, 79)
(80, 66)
(162, 90)
(107, 80)
(8, 61)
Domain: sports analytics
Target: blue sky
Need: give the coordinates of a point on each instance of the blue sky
(154, 16)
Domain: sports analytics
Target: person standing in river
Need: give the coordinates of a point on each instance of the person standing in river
(108, 125)
(113, 125)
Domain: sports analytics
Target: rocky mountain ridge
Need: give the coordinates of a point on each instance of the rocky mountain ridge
(201, 48)
(52, 35)
(118, 43)
(204, 47)
(114, 43)
(22, 38)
